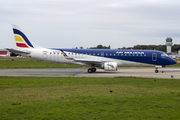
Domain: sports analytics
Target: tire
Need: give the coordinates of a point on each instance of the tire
(93, 69)
(89, 70)
(156, 71)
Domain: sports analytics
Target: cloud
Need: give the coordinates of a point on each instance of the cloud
(87, 23)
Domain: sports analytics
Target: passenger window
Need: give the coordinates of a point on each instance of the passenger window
(106, 54)
(144, 54)
(129, 54)
(137, 55)
(50, 52)
(93, 53)
(121, 54)
(89, 53)
(98, 54)
(133, 54)
(118, 54)
(125, 54)
(110, 54)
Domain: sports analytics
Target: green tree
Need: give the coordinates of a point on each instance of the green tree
(99, 47)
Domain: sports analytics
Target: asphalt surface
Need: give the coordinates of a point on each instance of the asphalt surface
(170, 73)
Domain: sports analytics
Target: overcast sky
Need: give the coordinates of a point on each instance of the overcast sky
(88, 23)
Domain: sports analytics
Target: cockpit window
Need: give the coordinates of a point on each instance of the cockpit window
(164, 55)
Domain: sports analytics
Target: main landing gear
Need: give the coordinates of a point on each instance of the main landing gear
(91, 70)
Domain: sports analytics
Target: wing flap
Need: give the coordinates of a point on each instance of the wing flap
(89, 61)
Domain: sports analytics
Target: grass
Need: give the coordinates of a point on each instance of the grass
(89, 98)
(21, 62)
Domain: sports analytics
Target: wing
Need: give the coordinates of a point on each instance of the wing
(86, 61)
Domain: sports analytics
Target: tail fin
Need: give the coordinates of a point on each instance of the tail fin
(21, 39)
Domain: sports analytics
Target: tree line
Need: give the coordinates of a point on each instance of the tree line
(101, 47)
(175, 47)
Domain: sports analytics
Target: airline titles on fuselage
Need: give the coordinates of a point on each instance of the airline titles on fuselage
(120, 52)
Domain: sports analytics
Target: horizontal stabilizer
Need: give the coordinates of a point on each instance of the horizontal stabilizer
(17, 51)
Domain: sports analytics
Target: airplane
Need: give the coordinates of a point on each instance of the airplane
(4, 55)
(106, 59)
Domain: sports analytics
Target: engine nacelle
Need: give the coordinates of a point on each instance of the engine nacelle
(110, 66)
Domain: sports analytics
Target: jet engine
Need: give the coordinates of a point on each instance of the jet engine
(110, 66)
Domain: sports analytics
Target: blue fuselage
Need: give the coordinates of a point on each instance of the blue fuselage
(141, 56)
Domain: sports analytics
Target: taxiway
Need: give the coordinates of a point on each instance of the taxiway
(170, 73)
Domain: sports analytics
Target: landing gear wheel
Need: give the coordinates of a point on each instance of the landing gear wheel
(90, 70)
(156, 71)
(93, 69)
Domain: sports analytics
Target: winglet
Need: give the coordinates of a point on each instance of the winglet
(64, 54)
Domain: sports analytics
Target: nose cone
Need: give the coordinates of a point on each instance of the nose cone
(173, 61)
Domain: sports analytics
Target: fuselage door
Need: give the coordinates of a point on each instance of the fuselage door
(154, 57)
(44, 54)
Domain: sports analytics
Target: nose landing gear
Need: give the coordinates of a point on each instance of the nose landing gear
(156, 71)
(156, 68)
